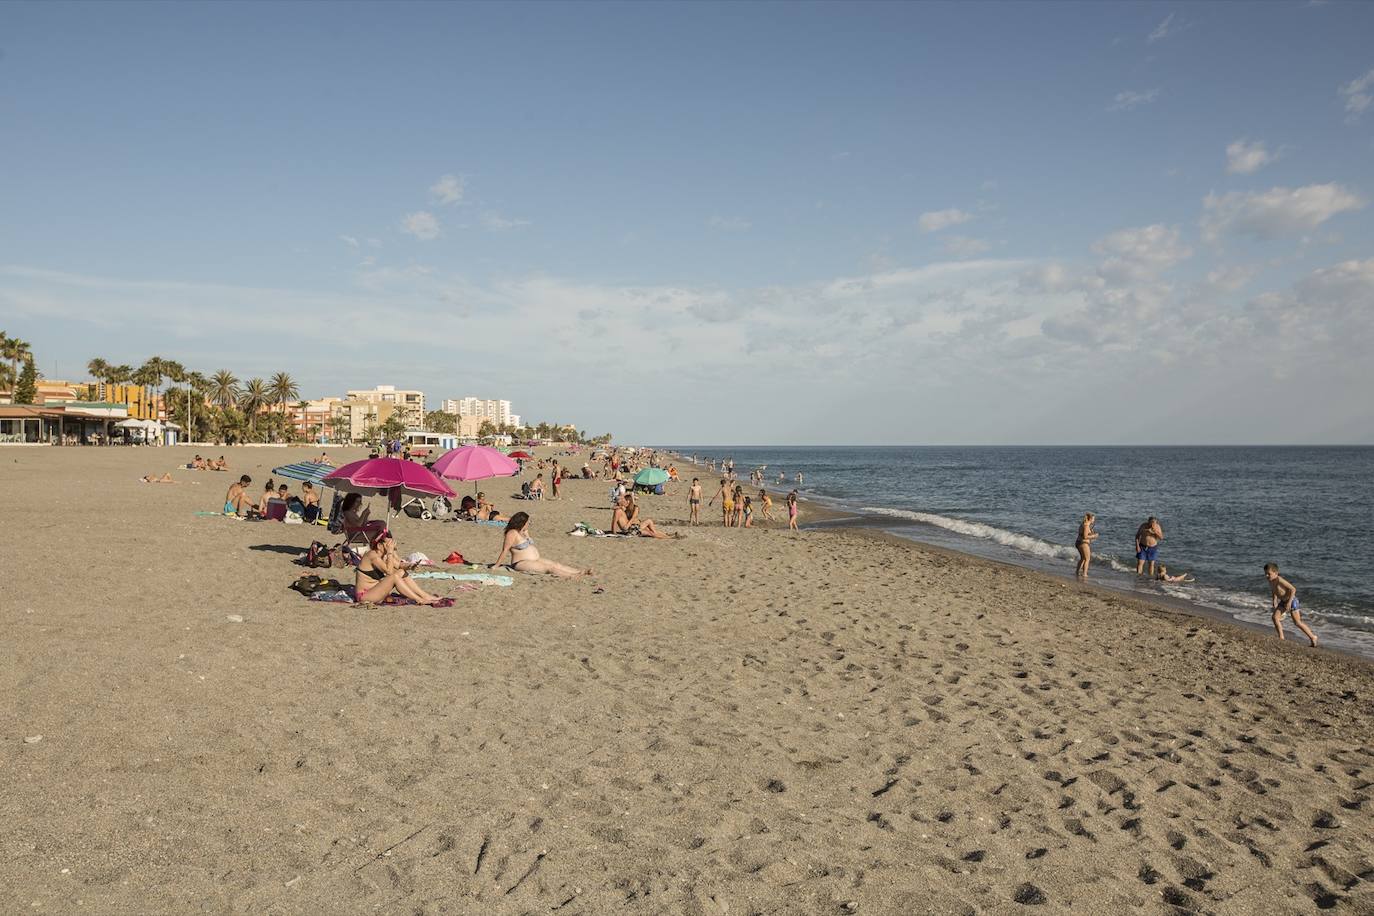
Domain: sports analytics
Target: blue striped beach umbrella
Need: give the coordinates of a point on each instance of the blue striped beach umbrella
(305, 470)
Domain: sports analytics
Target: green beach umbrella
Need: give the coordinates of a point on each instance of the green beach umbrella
(651, 477)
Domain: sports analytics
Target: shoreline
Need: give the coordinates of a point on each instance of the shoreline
(831, 720)
(830, 517)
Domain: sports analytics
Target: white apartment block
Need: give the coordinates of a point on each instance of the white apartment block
(497, 412)
(410, 404)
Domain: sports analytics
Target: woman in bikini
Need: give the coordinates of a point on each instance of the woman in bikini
(1086, 536)
(625, 520)
(381, 571)
(524, 556)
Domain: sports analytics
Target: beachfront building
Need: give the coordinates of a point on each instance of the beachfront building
(498, 412)
(311, 419)
(61, 423)
(352, 418)
(139, 403)
(410, 404)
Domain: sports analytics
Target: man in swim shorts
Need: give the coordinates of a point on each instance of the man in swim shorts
(236, 501)
(1147, 538)
(1285, 601)
(694, 502)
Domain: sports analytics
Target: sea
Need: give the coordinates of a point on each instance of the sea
(1226, 511)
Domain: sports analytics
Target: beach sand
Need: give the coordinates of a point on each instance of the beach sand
(741, 722)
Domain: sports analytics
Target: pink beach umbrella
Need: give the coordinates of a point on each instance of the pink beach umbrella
(389, 475)
(475, 462)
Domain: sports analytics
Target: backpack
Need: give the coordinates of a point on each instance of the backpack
(319, 555)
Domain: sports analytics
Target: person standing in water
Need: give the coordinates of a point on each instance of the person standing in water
(1086, 536)
(1147, 538)
(1285, 601)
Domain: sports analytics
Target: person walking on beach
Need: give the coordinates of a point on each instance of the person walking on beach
(767, 502)
(694, 502)
(792, 510)
(1285, 601)
(1086, 536)
(1147, 538)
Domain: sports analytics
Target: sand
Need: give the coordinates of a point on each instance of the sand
(741, 722)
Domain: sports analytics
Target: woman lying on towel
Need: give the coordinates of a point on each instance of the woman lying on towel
(381, 571)
(625, 520)
(524, 556)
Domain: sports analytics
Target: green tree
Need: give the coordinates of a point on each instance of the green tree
(394, 427)
(486, 430)
(99, 369)
(441, 422)
(252, 399)
(26, 389)
(283, 389)
(224, 388)
(15, 350)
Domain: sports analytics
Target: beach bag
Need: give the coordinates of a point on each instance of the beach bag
(319, 556)
(309, 585)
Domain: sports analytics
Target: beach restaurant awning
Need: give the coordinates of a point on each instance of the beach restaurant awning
(304, 470)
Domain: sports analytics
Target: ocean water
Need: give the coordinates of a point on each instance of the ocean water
(1226, 511)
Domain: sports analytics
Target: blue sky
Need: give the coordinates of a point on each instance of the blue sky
(735, 223)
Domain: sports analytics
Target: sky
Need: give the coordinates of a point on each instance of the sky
(920, 223)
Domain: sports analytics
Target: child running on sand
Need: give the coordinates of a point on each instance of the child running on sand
(767, 503)
(694, 502)
(792, 510)
(1285, 601)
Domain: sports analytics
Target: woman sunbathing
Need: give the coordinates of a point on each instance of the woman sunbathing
(625, 520)
(524, 556)
(152, 478)
(381, 571)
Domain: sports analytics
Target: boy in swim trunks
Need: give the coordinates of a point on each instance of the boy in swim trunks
(694, 502)
(1285, 601)
(727, 497)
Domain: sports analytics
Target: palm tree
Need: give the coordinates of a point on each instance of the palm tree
(252, 399)
(283, 389)
(98, 369)
(15, 350)
(224, 388)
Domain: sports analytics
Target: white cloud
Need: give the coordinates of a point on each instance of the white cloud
(497, 223)
(1141, 253)
(350, 241)
(1276, 212)
(1161, 30)
(729, 223)
(448, 190)
(1359, 95)
(1229, 278)
(422, 224)
(1244, 157)
(961, 246)
(935, 220)
(1125, 101)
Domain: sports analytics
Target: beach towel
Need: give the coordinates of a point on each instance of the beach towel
(583, 530)
(345, 596)
(489, 578)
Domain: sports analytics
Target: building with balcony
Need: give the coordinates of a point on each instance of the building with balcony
(410, 404)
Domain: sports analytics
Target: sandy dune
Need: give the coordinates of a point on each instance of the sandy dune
(741, 722)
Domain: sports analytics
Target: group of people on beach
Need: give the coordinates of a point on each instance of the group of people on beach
(240, 503)
(1283, 594)
(737, 509)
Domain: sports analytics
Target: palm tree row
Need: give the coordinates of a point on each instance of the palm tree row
(224, 403)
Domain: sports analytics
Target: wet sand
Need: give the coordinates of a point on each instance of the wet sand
(741, 722)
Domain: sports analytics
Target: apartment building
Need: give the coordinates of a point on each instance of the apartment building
(311, 419)
(496, 411)
(351, 418)
(409, 404)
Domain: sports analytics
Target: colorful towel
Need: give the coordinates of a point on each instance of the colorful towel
(345, 596)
